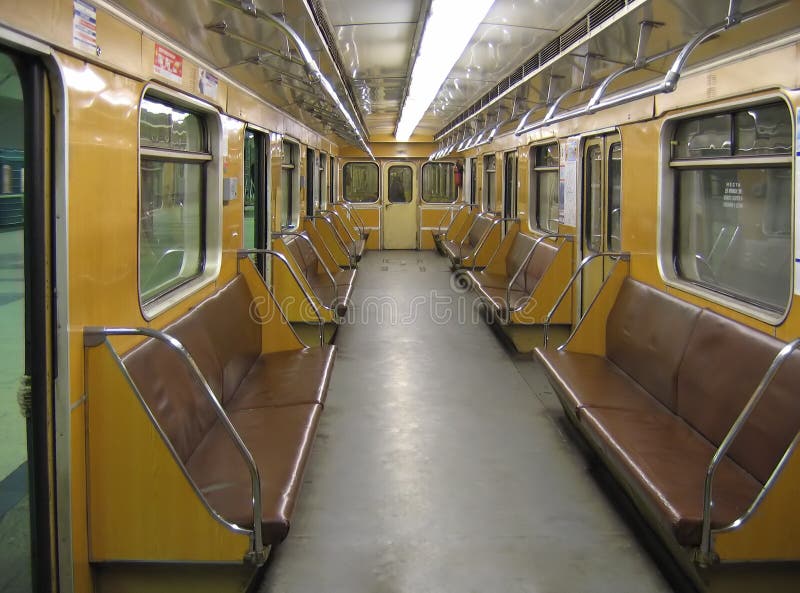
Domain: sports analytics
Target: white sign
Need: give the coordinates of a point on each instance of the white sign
(84, 26)
(208, 84)
(568, 183)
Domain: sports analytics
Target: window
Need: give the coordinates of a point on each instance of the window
(174, 153)
(322, 194)
(733, 200)
(510, 184)
(311, 181)
(401, 185)
(290, 183)
(256, 194)
(438, 183)
(473, 180)
(332, 181)
(361, 182)
(488, 181)
(543, 211)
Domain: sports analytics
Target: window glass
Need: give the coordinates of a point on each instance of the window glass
(332, 181)
(361, 182)
(734, 217)
(322, 194)
(289, 184)
(473, 180)
(763, 130)
(311, 181)
(488, 181)
(614, 239)
(171, 214)
(703, 137)
(171, 128)
(543, 207)
(593, 215)
(510, 184)
(438, 183)
(251, 182)
(400, 184)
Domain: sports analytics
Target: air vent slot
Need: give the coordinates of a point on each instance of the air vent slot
(573, 34)
(604, 11)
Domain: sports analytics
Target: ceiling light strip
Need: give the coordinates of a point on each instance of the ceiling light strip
(448, 29)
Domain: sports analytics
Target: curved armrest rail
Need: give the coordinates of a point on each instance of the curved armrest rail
(619, 255)
(94, 336)
(242, 253)
(706, 553)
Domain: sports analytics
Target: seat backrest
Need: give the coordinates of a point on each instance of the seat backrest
(479, 229)
(542, 257)
(722, 366)
(224, 341)
(303, 253)
(516, 256)
(646, 335)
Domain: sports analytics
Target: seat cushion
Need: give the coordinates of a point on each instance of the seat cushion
(646, 335)
(488, 280)
(280, 439)
(501, 299)
(722, 367)
(585, 380)
(286, 378)
(665, 462)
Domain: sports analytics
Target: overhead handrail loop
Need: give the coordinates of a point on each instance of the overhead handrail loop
(311, 67)
(242, 253)
(319, 257)
(706, 551)
(524, 265)
(94, 336)
(666, 85)
(621, 255)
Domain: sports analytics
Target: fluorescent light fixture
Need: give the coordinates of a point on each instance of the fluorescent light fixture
(450, 26)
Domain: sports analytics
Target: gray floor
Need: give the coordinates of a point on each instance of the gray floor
(441, 465)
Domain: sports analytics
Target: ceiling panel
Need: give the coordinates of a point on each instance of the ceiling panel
(375, 51)
(552, 15)
(352, 12)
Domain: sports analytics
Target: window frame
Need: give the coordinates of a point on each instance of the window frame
(210, 197)
(292, 221)
(344, 184)
(486, 197)
(422, 183)
(510, 202)
(534, 196)
(668, 208)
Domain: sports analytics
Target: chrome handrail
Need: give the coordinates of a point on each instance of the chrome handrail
(525, 263)
(466, 235)
(622, 255)
(243, 253)
(353, 213)
(449, 210)
(706, 551)
(485, 237)
(314, 249)
(337, 236)
(94, 336)
(341, 220)
(666, 85)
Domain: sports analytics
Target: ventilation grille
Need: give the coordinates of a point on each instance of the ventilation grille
(602, 12)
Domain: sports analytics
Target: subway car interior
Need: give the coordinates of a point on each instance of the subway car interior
(347, 296)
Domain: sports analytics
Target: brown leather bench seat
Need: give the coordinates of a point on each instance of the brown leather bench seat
(494, 288)
(458, 251)
(334, 297)
(273, 399)
(659, 403)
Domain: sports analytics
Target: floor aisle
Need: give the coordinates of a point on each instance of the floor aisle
(439, 466)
